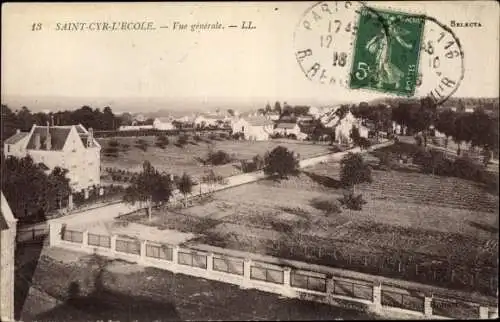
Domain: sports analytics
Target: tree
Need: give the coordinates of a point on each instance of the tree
(258, 161)
(150, 188)
(354, 171)
(354, 135)
(185, 186)
(25, 119)
(268, 108)
(463, 130)
(282, 162)
(445, 123)
(29, 189)
(277, 107)
(230, 112)
(9, 122)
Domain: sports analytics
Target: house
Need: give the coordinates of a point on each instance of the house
(203, 120)
(163, 123)
(344, 126)
(69, 147)
(8, 224)
(139, 118)
(288, 128)
(256, 128)
(315, 112)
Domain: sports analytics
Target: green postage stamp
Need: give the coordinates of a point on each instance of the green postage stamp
(386, 52)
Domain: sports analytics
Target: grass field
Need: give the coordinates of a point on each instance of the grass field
(174, 159)
(409, 216)
(76, 287)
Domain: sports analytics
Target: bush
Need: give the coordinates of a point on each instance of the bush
(162, 141)
(350, 201)
(386, 161)
(224, 136)
(182, 140)
(467, 169)
(197, 138)
(419, 140)
(142, 144)
(248, 166)
(212, 136)
(238, 136)
(328, 206)
(218, 158)
(113, 143)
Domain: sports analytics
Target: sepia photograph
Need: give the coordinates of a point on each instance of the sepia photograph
(249, 160)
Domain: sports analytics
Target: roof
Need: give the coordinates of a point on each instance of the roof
(16, 138)
(258, 121)
(284, 125)
(58, 135)
(7, 219)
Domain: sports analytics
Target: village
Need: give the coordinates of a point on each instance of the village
(213, 202)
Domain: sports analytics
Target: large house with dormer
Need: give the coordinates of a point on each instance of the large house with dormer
(69, 147)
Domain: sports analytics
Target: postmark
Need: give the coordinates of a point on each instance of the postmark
(328, 43)
(323, 40)
(386, 53)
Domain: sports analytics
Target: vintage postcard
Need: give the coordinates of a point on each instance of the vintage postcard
(332, 160)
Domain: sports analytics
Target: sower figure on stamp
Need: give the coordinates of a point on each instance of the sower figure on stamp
(380, 45)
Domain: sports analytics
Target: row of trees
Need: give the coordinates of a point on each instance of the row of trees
(24, 119)
(477, 128)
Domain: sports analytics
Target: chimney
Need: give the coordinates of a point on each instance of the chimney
(48, 139)
(90, 137)
(37, 141)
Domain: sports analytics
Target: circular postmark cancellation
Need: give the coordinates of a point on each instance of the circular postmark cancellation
(351, 45)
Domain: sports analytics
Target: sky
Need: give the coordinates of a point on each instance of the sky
(167, 69)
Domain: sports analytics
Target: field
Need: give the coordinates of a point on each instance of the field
(416, 226)
(68, 286)
(176, 160)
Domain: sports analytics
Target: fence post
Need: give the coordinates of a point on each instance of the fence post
(113, 244)
(143, 251)
(483, 312)
(175, 258)
(246, 273)
(377, 297)
(70, 201)
(428, 306)
(210, 262)
(85, 241)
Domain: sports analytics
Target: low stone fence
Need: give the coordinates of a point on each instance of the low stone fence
(287, 278)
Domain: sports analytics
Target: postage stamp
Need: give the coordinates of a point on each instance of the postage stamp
(386, 52)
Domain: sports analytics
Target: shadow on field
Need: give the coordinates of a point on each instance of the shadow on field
(324, 180)
(487, 228)
(103, 304)
(27, 255)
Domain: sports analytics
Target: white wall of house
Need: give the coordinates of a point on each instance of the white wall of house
(295, 130)
(159, 125)
(344, 127)
(134, 127)
(252, 132)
